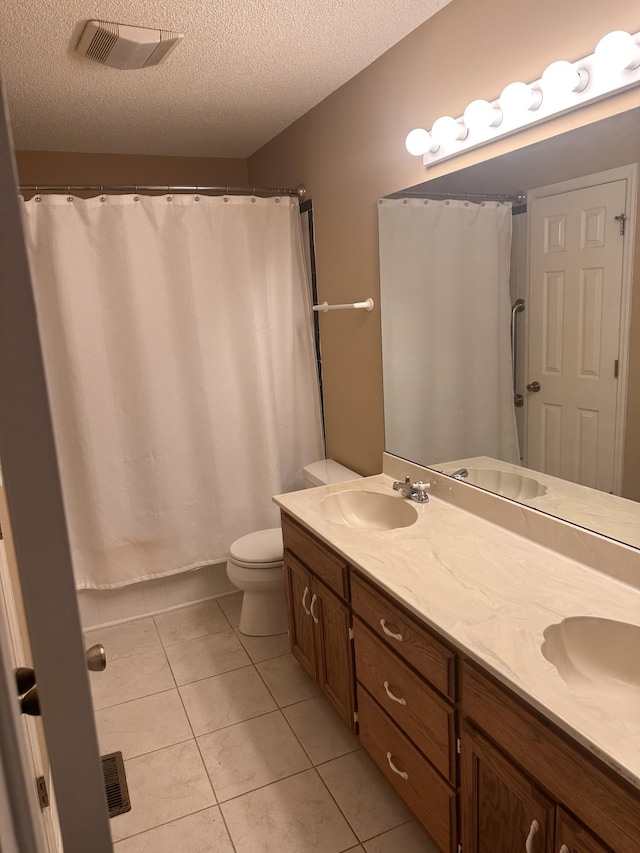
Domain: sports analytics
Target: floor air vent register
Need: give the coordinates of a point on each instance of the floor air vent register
(115, 784)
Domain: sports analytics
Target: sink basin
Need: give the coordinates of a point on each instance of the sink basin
(505, 483)
(588, 651)
(369, 510)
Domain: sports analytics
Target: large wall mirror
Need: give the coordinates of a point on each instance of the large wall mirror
(511, 325)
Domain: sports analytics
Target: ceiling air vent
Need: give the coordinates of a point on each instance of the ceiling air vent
(122, 46)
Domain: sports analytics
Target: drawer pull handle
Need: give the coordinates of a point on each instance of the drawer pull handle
(399, 699)
(389, 633)
(401, 773)
(304, 601)
(564, 849)
(313, 601)
(533, 830)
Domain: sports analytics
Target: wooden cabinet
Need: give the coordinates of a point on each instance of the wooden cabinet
(595, 811)
(320, 620)
(571, 837)
(430, 798)
(407, 722)
(405, 635)
(502, 810)
(477, 765)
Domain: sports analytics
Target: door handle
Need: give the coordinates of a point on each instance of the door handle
(533, 831)
(304, 601)
(96, 658)
(399, 699)
(27, 691)
(30, 703)
(534, 386)
(313, 601)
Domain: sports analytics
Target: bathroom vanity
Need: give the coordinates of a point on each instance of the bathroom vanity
(428, 639)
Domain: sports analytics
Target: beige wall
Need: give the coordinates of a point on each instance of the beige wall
(61, 167)
(349, 151)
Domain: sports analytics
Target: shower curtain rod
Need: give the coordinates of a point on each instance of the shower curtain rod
(299, 191)
(518, 198)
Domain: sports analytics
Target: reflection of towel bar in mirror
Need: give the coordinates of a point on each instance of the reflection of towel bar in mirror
(324, 306)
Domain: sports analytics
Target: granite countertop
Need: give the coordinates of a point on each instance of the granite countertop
(492, 593)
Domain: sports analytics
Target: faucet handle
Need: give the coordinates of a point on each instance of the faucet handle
(419, 491)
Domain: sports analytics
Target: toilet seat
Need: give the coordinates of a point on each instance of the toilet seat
(263, 549)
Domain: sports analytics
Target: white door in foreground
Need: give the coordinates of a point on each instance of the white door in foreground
(39, 531)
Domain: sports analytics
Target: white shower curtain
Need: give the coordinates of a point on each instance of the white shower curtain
(181, 370)
(444, 269)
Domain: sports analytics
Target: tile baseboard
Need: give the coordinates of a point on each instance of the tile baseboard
(103, 608)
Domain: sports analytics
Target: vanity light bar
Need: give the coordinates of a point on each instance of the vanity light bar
(564, 86)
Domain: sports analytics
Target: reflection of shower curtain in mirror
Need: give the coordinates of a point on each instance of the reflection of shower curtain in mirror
(180, 362)
(444, 268)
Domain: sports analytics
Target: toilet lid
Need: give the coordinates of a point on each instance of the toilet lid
(263, 546)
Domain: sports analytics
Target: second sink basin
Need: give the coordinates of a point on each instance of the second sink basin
(369, 510)
(587, 650)
(505, 483)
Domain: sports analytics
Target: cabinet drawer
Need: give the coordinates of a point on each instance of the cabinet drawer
(420, 712)
(405, 635)
(430, 798)
(326, 564)
(611, 809)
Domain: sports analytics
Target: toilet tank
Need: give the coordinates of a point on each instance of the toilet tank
(327, 471)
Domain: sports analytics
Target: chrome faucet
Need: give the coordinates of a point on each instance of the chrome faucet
(460, 474)
(415, 491)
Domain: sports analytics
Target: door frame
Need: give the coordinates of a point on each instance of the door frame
(629, 174)
(38, 766)
(39, 531)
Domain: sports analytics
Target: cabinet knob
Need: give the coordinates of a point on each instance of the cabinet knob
(564, 849)
(533, 831)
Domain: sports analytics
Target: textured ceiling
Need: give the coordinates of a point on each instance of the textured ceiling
(245, 70)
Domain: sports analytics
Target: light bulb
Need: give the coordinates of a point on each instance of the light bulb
(479, 115)
(562, 77)
(519, 97)
(619, 49)
(419, 141)
(446, 130)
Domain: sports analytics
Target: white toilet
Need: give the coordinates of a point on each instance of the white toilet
(255, 563)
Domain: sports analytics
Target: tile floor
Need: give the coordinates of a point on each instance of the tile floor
(230, 748)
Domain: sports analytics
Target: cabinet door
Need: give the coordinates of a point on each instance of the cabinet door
(571, 837)
(333, 651)
(301, 633)
(503, 811)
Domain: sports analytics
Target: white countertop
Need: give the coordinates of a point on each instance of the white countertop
(492, 593)
(610, 515)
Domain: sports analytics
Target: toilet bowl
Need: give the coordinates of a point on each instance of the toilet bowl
(255, 563)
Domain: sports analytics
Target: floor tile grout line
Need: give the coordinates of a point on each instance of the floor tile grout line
(173, 820)
(219, 804)
(239, 722)
(267, 785)
(361, 841)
